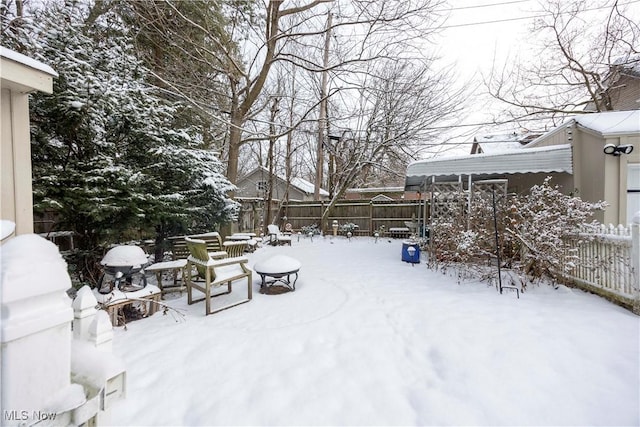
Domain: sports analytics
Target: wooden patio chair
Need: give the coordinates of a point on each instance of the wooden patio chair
(214, 244)
(276, 237)
(213, 273)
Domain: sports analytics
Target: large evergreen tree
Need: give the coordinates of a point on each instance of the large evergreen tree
(108, 155)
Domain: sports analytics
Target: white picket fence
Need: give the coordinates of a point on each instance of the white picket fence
(606, 261)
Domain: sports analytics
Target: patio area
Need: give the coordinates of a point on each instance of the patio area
(367, 339)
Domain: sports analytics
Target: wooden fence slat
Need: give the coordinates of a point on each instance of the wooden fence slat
(368, 216)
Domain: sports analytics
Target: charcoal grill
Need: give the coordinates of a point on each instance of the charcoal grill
(123, 268)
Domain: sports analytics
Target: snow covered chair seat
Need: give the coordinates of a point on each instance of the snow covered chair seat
(212, 273)
(276, 237)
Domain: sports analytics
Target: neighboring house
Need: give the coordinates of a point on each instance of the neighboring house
(252, 193)
(573, 153)
(20, 76)
(622, 85)
(255, 185)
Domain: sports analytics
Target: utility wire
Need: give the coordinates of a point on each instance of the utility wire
(495, 21)
(482, 5)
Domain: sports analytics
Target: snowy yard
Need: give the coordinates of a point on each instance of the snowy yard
(369, 340)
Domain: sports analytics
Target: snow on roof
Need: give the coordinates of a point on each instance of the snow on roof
(499, 143)
(556, 158)
(611, 123)
(306, 186)
(25, 60)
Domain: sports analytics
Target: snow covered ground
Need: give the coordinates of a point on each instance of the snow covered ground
(369, 340)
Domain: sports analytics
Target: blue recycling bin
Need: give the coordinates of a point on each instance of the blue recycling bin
(406, 256)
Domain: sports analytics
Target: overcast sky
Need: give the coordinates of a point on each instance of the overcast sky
(478, 31)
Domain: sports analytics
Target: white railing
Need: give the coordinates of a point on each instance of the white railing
(605, 261)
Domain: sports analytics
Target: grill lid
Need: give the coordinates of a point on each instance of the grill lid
(125, 256)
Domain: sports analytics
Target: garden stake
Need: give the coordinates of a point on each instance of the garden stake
(495, 227)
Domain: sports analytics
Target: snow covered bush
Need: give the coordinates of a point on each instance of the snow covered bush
(313, 229)
(539, 224)
(348, 227)
(532, 232)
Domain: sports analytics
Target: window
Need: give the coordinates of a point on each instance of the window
(633, 190)
(261, 185)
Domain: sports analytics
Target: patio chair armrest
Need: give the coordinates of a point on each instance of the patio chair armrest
(228, 261)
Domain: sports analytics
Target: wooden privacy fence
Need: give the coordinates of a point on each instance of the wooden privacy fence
(607, 262)
(368, 216)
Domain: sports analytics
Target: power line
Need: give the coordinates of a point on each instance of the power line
(495, 21)
(482, 5)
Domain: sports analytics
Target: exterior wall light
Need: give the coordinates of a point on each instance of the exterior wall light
(616, 150)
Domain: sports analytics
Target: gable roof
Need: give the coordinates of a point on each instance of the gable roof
(382, 198)
(301, 184)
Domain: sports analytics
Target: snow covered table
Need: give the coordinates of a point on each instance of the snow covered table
(147, 299)
(280, 268)
(177, 267)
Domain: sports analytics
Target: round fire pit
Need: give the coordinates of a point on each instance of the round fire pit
(123, 268)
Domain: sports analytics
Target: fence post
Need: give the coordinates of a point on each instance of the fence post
(101, 331)
(635, 260)
(84, 309)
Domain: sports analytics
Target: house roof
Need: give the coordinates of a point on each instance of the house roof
(501, 142)
(27, 61)
(21, 73)
(629, 65)
(555, 158)
(299, 183)
(611, 123)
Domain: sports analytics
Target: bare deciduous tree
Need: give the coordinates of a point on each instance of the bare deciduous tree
(575, 49)
(391, 122)
(256, 37)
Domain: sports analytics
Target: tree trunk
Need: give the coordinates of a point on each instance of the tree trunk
(235, 141)
(322, 121)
